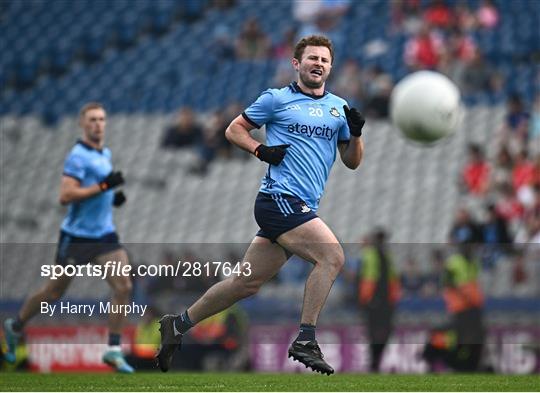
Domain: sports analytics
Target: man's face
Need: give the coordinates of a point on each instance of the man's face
(93, 123)
(314, 67)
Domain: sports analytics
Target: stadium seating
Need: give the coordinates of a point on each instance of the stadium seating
(155, 42)
(167, 204)
(144, 59)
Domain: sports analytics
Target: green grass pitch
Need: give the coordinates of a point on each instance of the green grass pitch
(199, 382)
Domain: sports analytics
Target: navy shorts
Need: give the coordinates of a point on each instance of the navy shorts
(73, 250)
(279, 213)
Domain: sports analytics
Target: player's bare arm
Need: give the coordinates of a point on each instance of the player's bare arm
(238, 134)
(71, 190)
(352, 152)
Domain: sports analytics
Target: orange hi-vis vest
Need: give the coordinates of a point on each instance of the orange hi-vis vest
(462, 290)
(214, 329)
(146, 340)
(370, 276)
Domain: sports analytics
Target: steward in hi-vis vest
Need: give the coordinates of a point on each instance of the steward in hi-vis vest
(459, 343)
(378, 292)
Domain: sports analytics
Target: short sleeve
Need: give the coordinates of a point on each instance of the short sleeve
(261, 111)
(74, 167)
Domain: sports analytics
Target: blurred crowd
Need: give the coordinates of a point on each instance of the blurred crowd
(441, 38)
(204, 133)
(436, 35)
(507, 183)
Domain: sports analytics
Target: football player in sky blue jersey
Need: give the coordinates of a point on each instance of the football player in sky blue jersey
(87, 233)
(305, 128)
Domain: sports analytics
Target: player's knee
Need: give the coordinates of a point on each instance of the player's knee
(336, 261)
(248, 288)
(252, 288)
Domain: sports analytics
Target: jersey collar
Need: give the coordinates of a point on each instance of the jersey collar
(296, 89)
(88, 147)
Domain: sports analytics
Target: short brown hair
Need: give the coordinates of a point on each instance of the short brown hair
(89, 106)
(313, 40)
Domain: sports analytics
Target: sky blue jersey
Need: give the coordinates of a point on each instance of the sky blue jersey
(313, 126)
(91, 217)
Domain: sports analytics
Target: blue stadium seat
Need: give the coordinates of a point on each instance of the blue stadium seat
(152, 43)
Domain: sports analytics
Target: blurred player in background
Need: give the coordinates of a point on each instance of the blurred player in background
(459, 344)
(87, 234)
(379, 292)
(305, 127)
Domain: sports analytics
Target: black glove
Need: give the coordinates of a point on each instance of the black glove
(271, 154)
(113, 179)
(355, 120)
(119, 199)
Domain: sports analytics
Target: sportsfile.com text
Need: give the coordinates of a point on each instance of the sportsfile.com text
(117, 268)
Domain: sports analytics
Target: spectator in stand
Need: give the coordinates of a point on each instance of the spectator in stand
(439, 15)
(522, 282)
(516, 124)
(412, 280)
(465, 228)
(534, 126)
(309, 13)
(434, 280)
(508, 206)
(212, 141)
(487, 15)
(523, 172)
(348, 81)
(478, 76)
(465, 18)
(252, 43)
(306, 12)
(183, 132)
(457, 56)
(283, 52)
(495, 229)
(336, 9)
(517, 119)
(324, 19)
(221, 45)
(534, 210)
(502, 171)
(379, 88)
(496, 237)
(424, 49)
(462, 46)
(476, 173)
(406, 16)
(530, 231)
(536, 172)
